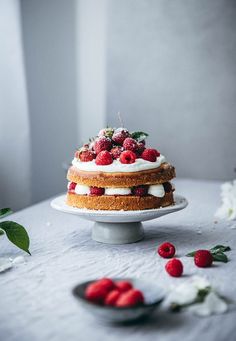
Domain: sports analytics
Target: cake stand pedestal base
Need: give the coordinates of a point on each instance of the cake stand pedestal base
(117, 233)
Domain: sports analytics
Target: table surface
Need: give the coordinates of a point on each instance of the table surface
(35, 298)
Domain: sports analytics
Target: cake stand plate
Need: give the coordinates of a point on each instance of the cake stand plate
(118, 227)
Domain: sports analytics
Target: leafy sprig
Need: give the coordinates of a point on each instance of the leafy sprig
(15, 232)
(139, 135)
(217, 253)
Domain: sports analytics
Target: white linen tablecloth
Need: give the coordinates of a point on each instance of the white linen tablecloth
(35, 298)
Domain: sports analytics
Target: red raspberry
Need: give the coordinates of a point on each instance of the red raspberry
(106, 283)
(72, 186)
(166, 250)
(174, 267)
(127, 157)
(203, 258)
(130, 298)
(140, 190)
(103, 143)
(95, 293)
(123, 286)
(104, 158)
(140, 148)
(112, 297)
(97, 190)
(86, 156)
(150, 154)
(120, 135)
(116, 151)
(130, 144)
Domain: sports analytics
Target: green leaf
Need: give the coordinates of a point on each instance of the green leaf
(220, 257)
(1, 232)
(17, 234)
(220, 248)
(191, 254)
(139, 135)
(4, 212)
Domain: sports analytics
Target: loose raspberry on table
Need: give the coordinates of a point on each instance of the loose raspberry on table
(140, 190)
(123, 286)
(72, 186)
(130, 298)
(150, 154)
(95, 293)
(102, 143)
(97, 190)
(120, 135)
(203, 258)
(86, 156)
(127, 157)
(166, 250)
(174, 267)
(104, 158)
(112, 297)
(116, 151)
(130, 144)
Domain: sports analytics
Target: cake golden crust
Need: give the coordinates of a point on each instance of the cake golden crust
(159, 175)
(119, 202)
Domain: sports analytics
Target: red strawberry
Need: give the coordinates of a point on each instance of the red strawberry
(97, 190)
(124, 286)
(86, 156)
(174, 267)
(116, 151)
(127, 157)
(71, 186)
(140, 190)
(95, 293)
(102, 143)
(112, 297)
(130, 144)
(166, 250)
(130, 298)
(106, 283)
(104, 158)
(203, 258)
(150, 154)
(120, 135)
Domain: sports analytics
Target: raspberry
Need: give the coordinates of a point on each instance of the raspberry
(112, 297)
(106, 283)
(95, 293)
(116, 151)
(71, 186)
(120, 135)
(123, 286)
(140, 190)
(150, 154)
(174, 267)
(130, 298)
(97, 190)
(86, 156)
(166, 250)
(167, 187)
(130, 144)
(203, 258)
(140, 148)
(127, 157)
(103, 143)
(104, 158)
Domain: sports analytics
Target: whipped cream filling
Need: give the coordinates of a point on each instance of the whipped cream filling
(117, 167)
(156, 191)
(117, 191)
(82, 189)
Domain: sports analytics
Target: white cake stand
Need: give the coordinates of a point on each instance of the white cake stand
(118, 227)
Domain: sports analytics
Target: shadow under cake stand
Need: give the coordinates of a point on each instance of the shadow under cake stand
(118, 227)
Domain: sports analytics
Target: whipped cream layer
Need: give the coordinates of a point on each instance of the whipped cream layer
(117, 167)
(155, 190)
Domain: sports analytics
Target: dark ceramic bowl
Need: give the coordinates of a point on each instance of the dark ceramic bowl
(153, 295)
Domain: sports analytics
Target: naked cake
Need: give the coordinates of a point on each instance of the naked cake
(116, 171)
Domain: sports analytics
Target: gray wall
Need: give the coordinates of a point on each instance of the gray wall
(50, 57)
(171, 71)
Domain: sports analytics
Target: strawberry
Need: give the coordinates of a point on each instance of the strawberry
(104, 158)
(95, 293)
(112, 297)
(130, 298)
(127, 157)
(123, 286)
(106, 283)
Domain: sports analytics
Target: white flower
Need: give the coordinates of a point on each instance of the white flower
(228, 198)
(212, 304)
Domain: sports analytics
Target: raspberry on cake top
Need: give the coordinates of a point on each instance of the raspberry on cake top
(117, 164)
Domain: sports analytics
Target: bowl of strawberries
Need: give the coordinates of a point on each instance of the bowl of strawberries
(119, 300)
